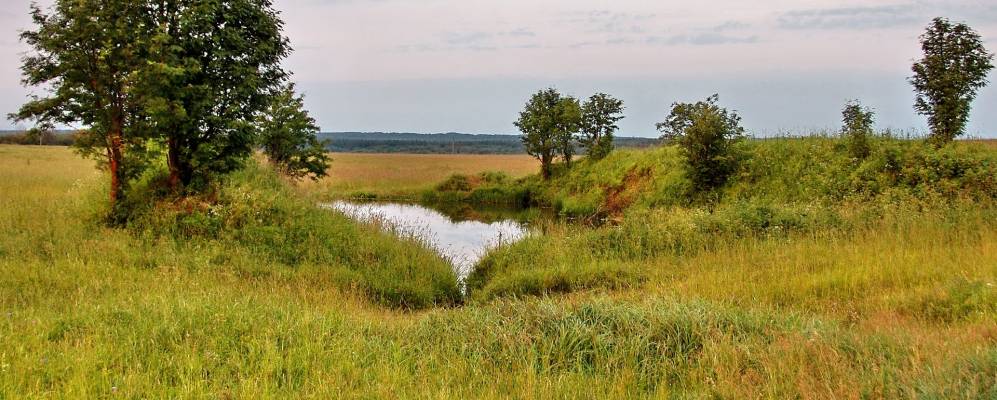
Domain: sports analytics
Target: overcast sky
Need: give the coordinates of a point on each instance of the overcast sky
(470, 65)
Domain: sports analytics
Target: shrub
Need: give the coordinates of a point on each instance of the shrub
(455, 183)
(287, 135)
(706, 134)
(857, 128)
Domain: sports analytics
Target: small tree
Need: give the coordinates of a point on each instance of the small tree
(83, 52)
(568, 123)
(539, 124)
(40, 134)
(599, 117)
(857, 128)
(288, 137)
(706, 134)
(954, 68)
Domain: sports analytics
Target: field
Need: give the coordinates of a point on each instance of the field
(264, 297)
(401, 175)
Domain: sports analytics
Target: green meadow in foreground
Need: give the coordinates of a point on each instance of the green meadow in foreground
(810, 276)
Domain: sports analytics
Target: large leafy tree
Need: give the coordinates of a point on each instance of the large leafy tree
(288, 137)
(84, 53)
(568, 123)
(706, 134)
(190, 74)
(600, 113)
(540, 123)
(214, 66)
(954, 68)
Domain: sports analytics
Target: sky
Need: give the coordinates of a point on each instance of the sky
(787, 66)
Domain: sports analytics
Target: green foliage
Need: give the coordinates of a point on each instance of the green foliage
(792, 169)
(879, 297)
(600, 113)
(706, 133)
(181, 75)
(455, 183)
(288, 137)
(568, 122)
(954, 68)
(773, 171)
(486, 188)
(253, 212)
(84, 53)
(549, 122)
(213, 67)
(786, 188)
(857, 128)
(611, 257)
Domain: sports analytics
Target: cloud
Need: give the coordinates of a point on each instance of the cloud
(731, 26)
(474, 41)
(459, 39)
(700, 39)
(850, 18)
(605, 21)
(521, 32)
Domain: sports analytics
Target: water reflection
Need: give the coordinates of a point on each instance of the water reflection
(463, 239)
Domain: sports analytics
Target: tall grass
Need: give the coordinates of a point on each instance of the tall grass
(773, 171)
(251, 225)
(757, 301)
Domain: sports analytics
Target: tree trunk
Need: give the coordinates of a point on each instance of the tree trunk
(545, 161)
(173, 163)
(114, 160)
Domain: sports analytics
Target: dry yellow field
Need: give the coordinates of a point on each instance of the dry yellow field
(389, 175)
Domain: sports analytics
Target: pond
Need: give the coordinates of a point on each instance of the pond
(463, 235)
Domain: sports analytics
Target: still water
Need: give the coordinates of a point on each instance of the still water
(463, 238)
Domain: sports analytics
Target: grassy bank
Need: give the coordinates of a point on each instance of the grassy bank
(221, 300)
(785, 190)
(251, 226)
(773, 171)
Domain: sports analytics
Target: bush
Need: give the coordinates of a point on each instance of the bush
(706, 134)
(455, 183)
(857, 129)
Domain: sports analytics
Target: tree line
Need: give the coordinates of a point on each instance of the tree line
(946, 79)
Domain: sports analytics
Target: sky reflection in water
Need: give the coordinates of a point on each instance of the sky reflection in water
(463, 242)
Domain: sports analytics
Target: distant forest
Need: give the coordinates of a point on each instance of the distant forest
(441, 143)
(371, 142)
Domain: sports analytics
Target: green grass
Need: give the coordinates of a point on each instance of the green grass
(774, 171)
(245, 295)
(786, 189)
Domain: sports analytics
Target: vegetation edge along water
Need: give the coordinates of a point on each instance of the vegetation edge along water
(718, 267)
(94, 312)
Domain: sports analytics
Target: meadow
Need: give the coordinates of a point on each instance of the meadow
(805, 282)
(386, 176)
